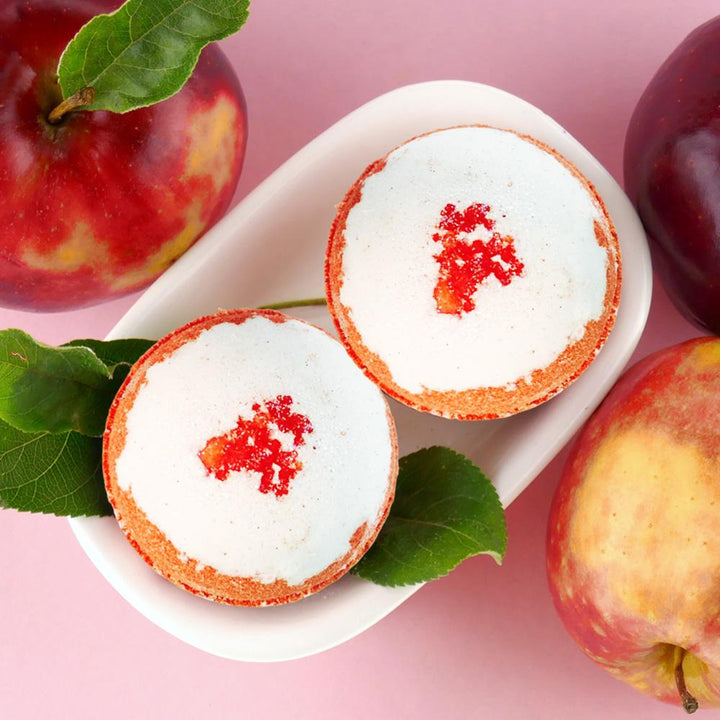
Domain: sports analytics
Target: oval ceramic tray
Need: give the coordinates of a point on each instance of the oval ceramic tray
(270, 248)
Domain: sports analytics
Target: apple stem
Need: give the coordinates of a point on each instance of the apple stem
(294, 303)
(689, 702)
(84, 96)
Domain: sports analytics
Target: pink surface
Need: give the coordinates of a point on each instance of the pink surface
(483, 642)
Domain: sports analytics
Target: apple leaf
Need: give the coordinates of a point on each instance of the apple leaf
(145, 51)
(115, 354)
(59, 389)
(445, 510)
(51, 473)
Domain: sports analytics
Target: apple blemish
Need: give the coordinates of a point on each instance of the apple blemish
(253, 445)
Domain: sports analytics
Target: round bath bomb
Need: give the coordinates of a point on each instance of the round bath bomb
(473, 272)
(248, 460)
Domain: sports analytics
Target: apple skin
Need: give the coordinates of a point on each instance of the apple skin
(633, 542)
(672, 173)
(101, 204)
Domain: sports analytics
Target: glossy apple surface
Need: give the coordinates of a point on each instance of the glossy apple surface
(100, 204)
(633, 547)
(672, 173)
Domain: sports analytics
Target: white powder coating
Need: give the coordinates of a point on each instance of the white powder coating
(199, 391)
(389, 273)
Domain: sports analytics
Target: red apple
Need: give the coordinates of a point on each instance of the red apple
(633, 549)
(100, 204)
(672, 173)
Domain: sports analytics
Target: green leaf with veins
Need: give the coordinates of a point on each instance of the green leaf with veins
(59, 389)
(51, 473)
(445, 510)
(115, 354)
(145, 51)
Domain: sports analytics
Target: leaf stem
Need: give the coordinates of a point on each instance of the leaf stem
(84, 96)
(294, 303)
(689, 701)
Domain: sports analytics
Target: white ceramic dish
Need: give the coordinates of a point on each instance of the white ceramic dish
(270, 248)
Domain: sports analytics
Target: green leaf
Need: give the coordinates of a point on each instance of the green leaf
(51, 473)
(145, 51)
(115, 354)
(445, 510)
(49, 389)
(119, 356)
(43, 388)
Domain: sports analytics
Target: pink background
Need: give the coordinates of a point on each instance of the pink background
(483, 642)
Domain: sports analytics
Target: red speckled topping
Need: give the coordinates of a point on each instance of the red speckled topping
(252, 445)
(465, 263)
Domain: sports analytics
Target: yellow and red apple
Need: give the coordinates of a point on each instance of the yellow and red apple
(99, 204)
(633, 547)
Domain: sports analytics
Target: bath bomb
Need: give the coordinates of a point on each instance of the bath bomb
(473, 272)
(248, 460)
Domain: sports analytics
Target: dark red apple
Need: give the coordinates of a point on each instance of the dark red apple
(100, 204)
(672, 173)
